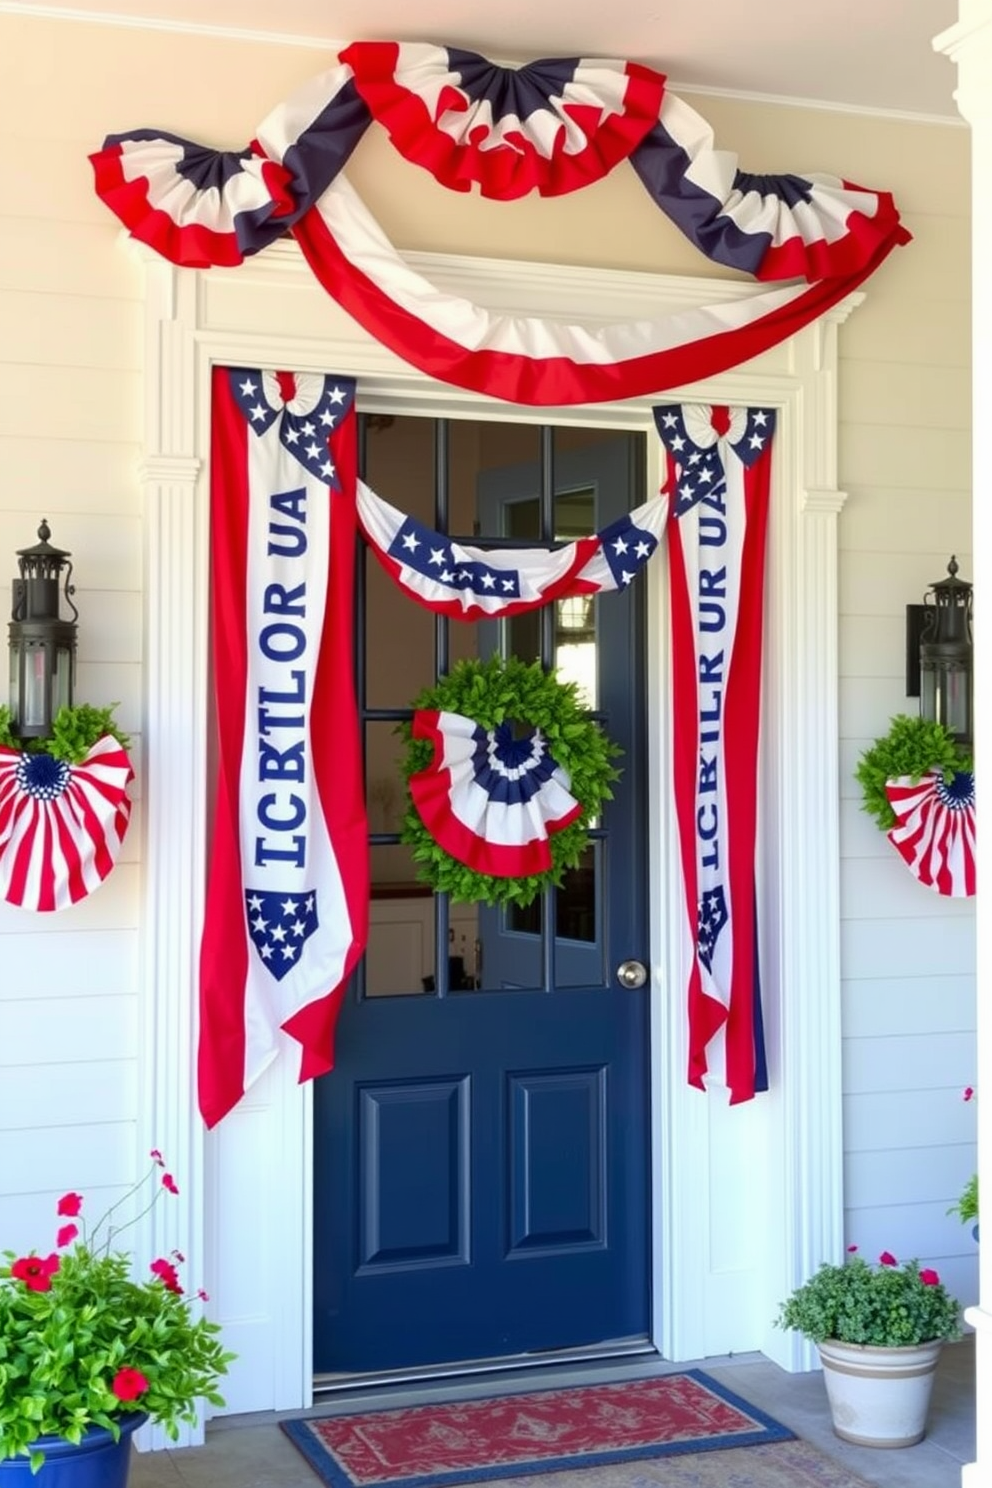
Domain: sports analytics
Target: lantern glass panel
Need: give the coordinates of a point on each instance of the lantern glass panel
(62, 681)
(34, 712)
(14, 690)
(956, 702)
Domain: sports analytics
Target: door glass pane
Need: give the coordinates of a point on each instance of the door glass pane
(577, 903)
(400, 954)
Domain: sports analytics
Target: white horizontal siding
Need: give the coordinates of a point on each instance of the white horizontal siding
(907, 955)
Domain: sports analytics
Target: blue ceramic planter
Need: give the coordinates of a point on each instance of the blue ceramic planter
(97, 1462)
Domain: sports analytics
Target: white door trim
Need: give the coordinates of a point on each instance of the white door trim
(725, 1250)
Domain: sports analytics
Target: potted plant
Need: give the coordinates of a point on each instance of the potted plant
(879, 1330)
(88, 1351)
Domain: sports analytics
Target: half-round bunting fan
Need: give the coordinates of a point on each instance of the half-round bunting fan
(61, 825)
(551, 126)
(935, 829)
(490, 799)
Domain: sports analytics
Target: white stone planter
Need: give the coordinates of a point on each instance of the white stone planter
(879, 1397)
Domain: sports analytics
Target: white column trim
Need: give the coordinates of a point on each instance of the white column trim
(197, 319)
(174, 788)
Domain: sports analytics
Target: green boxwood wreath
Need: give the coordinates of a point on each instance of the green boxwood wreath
(913, 747)
(493, 692)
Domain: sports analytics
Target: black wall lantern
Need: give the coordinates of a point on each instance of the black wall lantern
(941, 629)
(42, 644)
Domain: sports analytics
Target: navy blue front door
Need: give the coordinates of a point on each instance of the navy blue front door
(481, 1148)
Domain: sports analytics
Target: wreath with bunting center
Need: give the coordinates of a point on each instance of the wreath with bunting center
(492, 694)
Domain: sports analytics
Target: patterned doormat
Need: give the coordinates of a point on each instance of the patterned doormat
(472, 1441)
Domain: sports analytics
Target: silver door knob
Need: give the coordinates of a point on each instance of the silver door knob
(632, 974)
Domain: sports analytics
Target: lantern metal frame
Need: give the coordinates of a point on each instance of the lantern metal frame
(42, 645)
(946, 652)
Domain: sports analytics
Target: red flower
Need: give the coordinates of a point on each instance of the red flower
(851, 1249)
(929, 1277)
(167, 1275)
(202, 1295)
(968, 1093)
(36, 1272)
(169, 1182)
(128, 1384)
(156, 1156)
(70, 1205)
(887, 1259)
(66, 1233)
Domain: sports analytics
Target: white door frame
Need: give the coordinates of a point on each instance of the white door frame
(746, 1201)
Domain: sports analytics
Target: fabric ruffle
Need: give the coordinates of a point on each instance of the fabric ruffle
(489, 799)
(934, 832)
(61, 825)
(551, 126)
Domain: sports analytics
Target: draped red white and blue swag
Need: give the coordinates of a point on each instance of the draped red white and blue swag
(719, 464)
(552, 126)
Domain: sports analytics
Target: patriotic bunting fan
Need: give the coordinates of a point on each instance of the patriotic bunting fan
(488, 798)
(61, 825)
(935, 829)
(505, 770)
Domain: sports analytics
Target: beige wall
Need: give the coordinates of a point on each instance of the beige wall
(70, 432)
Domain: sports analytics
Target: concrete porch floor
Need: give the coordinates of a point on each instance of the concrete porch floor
(251, 1451)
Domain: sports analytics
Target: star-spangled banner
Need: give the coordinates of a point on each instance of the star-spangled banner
(286, 913)
(550, 126)
(475, 583)
(719, 463)
(934, 832)
(61, 824)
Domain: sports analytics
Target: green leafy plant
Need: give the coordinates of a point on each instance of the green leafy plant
(74, 732)
(966, 1206)
(913, 747)
(492, 692)
(83, 1343)
(887, 1305)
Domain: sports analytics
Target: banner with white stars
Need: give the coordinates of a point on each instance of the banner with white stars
(287, 898)
(719, 469)
(475, 583)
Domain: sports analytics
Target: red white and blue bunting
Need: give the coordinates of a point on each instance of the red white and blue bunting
(489, 799)
(551, 127)
(475, 583)
(61, 825)
(934, 832)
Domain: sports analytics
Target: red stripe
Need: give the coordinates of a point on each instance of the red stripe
(742, 700)
(335, 742)
(553, 380)
(224, 947)
(705, 1014)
